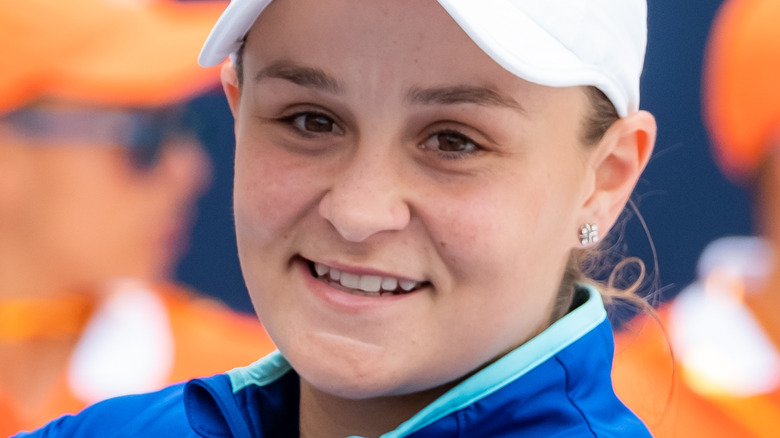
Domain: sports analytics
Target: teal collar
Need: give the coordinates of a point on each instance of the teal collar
(493, 377)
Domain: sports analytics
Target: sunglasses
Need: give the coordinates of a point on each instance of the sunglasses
(143, 133)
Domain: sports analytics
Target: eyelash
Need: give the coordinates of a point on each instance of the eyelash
(291, 121)
(453, 155)
(451, 134)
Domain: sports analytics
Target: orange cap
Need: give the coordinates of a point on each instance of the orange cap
(105, 52)
(742, 84)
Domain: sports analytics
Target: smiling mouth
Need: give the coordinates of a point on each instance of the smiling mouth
(366, 285)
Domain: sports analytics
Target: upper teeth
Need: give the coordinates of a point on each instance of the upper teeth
(366, 283)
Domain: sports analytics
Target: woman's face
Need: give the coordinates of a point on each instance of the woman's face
(91, 215)
(379, 148)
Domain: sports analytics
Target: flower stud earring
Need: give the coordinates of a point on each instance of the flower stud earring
(589, 234)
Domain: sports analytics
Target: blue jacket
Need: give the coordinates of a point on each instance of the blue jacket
(556, 385)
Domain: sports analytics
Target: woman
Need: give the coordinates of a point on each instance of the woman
(415, 184)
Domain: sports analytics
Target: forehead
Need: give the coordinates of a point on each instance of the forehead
(403, 43)
(381, 52)
(363, 31)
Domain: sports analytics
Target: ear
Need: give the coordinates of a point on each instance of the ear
(229, 78)
(618, 161)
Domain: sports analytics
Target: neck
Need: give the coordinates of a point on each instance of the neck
(323, 415)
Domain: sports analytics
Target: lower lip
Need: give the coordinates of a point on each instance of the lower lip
(342, 301)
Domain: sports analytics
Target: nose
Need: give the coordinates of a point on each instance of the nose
(366, 198)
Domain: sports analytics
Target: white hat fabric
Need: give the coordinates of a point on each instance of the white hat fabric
(557, 43)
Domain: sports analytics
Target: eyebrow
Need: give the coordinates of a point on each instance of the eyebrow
(460, 94)
(302, 75)
(311, 77)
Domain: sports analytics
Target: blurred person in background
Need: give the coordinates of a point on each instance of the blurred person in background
(716, 372)
(99, 173)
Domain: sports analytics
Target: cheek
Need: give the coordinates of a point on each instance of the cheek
(502, 256)
(271, 193)
(503, 238)
(481, 231)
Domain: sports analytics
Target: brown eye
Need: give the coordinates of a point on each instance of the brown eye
(452, 142)
(314, 123)
(450, 145)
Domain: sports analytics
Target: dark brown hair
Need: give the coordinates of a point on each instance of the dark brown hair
(618, 278)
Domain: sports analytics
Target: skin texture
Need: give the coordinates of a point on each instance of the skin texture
(376, 138)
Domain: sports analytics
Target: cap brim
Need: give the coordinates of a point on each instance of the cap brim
(512, 38)
(101, 52)
(229, 31)
(522, 46)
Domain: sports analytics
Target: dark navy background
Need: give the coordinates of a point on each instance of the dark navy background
(682, 197)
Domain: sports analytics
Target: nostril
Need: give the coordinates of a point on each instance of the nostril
(357, 216)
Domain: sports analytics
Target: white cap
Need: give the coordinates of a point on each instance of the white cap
(557, 43)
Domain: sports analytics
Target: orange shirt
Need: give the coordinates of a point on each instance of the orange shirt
(207, 338)
(665, 394)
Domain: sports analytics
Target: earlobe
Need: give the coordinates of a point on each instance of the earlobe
(229, 78)
(618, 162)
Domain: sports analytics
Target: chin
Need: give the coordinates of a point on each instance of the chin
(346, 376)
(350, 389)
(363, 382)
